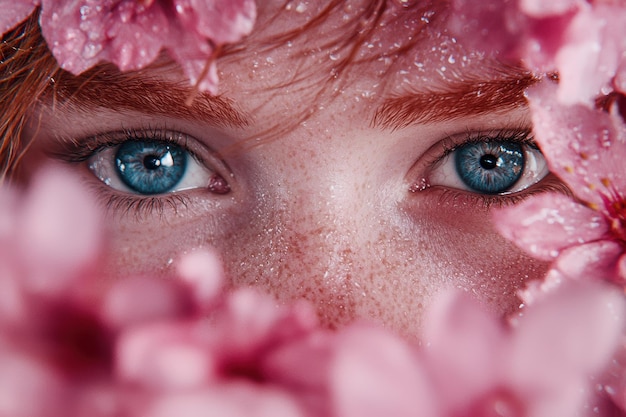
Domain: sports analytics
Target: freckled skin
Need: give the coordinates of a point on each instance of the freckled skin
(323, 210)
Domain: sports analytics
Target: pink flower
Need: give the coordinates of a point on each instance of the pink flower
(585, 237)
(581, 40)
(131, 33)
(540, 367)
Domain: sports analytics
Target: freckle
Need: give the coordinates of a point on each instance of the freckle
(606, 182)
(569, 169)
(584, 156)
(592, 187)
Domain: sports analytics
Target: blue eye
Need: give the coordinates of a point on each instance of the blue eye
(494, 166)
(150, 167)
(489, 167)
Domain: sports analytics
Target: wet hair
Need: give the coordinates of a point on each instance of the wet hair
(29, 74)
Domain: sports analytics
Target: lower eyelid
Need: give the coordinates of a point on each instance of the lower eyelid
(461, 198)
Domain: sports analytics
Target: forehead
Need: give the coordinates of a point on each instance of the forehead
(372, 62)
(376, 45)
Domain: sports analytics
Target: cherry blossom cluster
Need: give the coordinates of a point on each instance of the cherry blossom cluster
(132, 33)
(141, 346)
(578, 49)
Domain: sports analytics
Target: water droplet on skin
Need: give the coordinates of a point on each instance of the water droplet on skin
(298, 8)
(333, 56)
(451, 59)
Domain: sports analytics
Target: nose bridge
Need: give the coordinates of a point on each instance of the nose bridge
(323, 228)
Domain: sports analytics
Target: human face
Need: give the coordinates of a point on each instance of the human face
(332, 184)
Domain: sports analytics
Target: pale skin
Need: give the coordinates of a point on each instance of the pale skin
(355, 215)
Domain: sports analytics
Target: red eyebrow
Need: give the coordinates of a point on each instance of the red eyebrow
(136, 92)
(461, 99)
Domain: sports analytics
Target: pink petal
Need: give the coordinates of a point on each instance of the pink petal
(253, 320)
(125, 32)
(222, 21)
(584, 147)
(226, 400)
(462, 374)
(538, 8)
(591, 261)
(302, 367)
(164, 357)
(203, 271)
(135, 34)
(137, 300)
(592, 48)
(545, 224)
(59, 231)
(27, 386)
(302, 364)
(570, 334)
(376, 374)
(14, 12)
(538, 288)
(615, 377)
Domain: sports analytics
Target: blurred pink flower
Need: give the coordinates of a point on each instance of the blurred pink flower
(131, 33)
(539, 368)
(585, 237)
(186, 346)
(584, 41)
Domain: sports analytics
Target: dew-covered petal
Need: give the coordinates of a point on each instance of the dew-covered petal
(584, 147)
(374, 373)
(615, 377)
(81, 34)
(222, 21)
(591, 261)
(14, 12)
(545, 224)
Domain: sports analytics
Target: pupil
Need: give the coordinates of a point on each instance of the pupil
(151, 162)
(488, 161)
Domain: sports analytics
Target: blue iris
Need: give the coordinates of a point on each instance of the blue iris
(490, 167)
(150, 167)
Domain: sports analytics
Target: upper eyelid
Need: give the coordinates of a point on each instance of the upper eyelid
(452, 142)
(79, 150)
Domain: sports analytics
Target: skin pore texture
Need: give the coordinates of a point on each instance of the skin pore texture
(336, 192)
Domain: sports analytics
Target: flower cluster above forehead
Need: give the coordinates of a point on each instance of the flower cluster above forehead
(132, 33)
